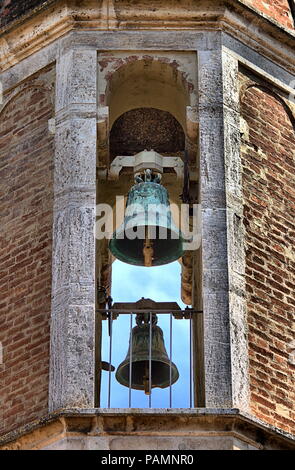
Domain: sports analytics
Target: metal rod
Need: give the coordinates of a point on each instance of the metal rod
(110, 359)
(130, 362)
(193, 364)
(190, 361)
(160, 311)
(170, 369)
(150, 363)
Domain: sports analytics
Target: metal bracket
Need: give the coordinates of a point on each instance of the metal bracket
(147, 159)
(113, 313)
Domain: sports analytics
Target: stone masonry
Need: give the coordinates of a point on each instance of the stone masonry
(53, 114)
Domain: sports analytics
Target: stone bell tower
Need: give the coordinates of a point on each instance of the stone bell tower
(207, 88)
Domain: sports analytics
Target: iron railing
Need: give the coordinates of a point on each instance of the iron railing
(187, 316)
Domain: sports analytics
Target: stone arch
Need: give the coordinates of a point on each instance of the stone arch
(292, 10)
(23, 88)
(249, 85)
(282, 11)
(148, 83)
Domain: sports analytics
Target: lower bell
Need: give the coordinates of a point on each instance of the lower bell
(140, 363)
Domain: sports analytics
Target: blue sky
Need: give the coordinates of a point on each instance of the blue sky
(161, 283)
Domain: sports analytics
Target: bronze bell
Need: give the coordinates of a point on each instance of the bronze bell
(160, 363)
(148, 236)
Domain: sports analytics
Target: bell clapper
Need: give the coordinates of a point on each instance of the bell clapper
(146, 381)
(148, 250)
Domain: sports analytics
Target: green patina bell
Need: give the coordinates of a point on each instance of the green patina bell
(148, 236)
(139, 363)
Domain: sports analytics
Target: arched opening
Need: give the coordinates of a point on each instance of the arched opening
(147, 102)
(147, 83)
(146, 128)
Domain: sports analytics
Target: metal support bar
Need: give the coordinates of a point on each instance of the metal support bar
(191, 363)
(170, 366)
(177, 314)
(150, 362)
(130, 365)
(110, 358)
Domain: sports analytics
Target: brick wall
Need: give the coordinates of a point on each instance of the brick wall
(278, 10)
(269, 197)
(26, 150)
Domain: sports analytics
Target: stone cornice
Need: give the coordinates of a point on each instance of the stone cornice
(147, 422)
(106, 5)
(52, 20)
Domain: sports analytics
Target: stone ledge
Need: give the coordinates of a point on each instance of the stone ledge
(40, 5)
(54, 18)
(199, 428)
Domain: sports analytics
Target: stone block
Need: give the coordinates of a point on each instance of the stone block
(75, 160)
(76, 78)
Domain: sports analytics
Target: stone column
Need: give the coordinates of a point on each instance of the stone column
(72, 353)
(235, 233)
(222, 242)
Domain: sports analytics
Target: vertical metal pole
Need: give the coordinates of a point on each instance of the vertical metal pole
(190, 361)
(110, 358)
(130, 363)
(150, 363)
(170, 368)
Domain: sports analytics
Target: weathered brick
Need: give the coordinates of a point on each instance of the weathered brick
(269, 246)
(25, 241)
